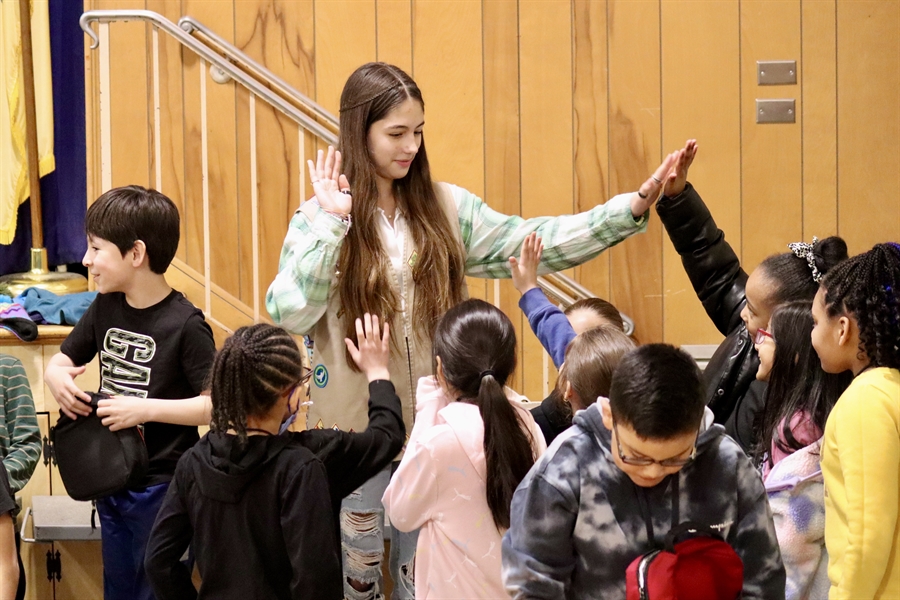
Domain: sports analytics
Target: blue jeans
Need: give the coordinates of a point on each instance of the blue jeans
(362, 543)
(126, 519)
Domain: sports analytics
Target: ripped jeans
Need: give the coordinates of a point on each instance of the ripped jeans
(362, 543)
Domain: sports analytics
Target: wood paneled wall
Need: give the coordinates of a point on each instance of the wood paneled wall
(545, 107)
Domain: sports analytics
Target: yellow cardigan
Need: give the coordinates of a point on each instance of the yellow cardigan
(861, 467)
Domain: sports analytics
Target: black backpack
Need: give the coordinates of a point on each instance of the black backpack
(93, 461)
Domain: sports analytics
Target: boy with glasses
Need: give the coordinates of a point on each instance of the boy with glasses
(602, 494)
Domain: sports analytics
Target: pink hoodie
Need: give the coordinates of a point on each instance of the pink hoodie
(440, 488)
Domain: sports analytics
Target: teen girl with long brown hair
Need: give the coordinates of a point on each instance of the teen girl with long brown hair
(382, 237)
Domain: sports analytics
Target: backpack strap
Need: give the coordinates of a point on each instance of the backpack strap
(648, 517)
(645, 512)
(692, 527)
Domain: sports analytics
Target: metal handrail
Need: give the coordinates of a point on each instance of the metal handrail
(194, 27)
(567, 291)
(561, 287)
(226, 66)
(280, 94)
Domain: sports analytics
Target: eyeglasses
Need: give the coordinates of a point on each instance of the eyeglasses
(646, 462)
(307, 373)
(761, 335)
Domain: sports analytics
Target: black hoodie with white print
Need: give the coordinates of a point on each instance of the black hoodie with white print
(577, 522)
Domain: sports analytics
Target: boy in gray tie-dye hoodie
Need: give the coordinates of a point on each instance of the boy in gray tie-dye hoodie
(578, 518)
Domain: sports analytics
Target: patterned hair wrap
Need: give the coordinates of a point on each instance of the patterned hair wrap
(806, 252)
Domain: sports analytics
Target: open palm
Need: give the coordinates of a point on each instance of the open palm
(331, 186)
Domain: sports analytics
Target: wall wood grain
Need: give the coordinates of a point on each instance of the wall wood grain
(542, 107)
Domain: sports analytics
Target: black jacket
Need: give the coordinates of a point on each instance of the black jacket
(263, 519)
(551, 417)
(732, 391)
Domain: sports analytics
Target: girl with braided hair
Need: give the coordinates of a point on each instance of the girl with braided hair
(259, 508)
(857, 328)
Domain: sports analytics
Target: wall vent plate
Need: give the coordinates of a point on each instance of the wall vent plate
(781, 110)
(776, 72)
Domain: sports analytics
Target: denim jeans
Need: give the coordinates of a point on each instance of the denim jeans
(126, 519)
(362, 543)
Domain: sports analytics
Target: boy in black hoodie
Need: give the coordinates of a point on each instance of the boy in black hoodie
(260, 508)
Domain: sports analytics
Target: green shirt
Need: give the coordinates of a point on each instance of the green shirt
(20, 436)
(298, 297)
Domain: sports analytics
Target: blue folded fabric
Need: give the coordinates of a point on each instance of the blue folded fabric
(57, 310)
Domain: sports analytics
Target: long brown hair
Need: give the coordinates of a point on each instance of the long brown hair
(365, 284)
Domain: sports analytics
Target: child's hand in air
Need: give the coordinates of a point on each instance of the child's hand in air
(374, 350)
(524, 270)
(677, 178)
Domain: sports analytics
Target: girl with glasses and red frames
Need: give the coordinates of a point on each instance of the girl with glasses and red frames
(799, 398)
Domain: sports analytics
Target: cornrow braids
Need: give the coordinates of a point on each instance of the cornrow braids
(867, 287)
(253, 369)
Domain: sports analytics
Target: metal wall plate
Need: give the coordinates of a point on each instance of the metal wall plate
(779, 110)
(776, 72)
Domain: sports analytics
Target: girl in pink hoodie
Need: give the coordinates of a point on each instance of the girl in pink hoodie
(471, 445)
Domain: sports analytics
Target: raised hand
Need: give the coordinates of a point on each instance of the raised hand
(677, 178)
(651, 189)
(524, 270)
(374, 351)
(331, 186)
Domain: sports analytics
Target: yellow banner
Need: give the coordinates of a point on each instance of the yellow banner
(13, 161)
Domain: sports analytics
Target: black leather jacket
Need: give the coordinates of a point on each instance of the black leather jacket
(732, 391)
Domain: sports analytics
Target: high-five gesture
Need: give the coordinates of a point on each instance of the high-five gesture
(331, 186)
(374, 349)
(678, 177)
(650, 190)
(524, 270)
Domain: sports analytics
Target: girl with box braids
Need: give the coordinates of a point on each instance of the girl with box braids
(868, 288)
(857, 329)
(256, 366)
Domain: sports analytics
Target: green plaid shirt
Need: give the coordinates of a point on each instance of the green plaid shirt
(298, 297)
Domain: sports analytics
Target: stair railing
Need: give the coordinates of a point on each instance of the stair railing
(565, 290)
(223, 58)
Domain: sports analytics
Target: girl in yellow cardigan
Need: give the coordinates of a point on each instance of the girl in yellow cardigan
(857, 328)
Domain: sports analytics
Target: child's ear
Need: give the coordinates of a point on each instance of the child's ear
(605, 412)
(138, 253)
(568, 392)
(846, 330)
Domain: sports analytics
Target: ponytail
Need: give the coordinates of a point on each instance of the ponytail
(477, 346)
(507, 448)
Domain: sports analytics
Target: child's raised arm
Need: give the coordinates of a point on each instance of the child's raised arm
(524, 270)
(374, 351)
(549, 324)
